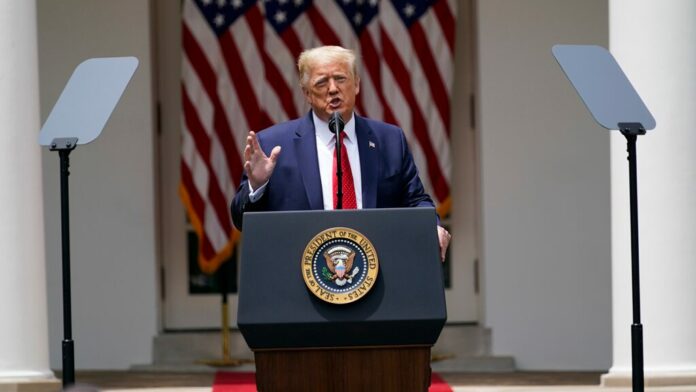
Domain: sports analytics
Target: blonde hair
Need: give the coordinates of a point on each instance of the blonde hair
(325, 53)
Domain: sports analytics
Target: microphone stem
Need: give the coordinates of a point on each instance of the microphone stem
(339, 172)
(337, 124)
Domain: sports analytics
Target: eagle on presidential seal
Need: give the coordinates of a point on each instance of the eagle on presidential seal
(339, 260)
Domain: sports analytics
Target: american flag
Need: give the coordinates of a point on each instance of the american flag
(239, 74)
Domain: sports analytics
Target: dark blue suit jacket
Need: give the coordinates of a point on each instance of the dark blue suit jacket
(389, 175)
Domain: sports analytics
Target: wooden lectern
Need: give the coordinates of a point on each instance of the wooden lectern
(379, 342)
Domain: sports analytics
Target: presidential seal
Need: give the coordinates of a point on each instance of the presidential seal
(339, 265)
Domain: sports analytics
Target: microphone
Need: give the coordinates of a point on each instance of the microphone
(336, 125)
(335, 120)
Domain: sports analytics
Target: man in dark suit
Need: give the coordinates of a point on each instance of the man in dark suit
(378, 169)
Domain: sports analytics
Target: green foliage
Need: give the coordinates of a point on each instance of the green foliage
(326, 274)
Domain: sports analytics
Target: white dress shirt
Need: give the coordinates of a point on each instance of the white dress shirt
(326, 143)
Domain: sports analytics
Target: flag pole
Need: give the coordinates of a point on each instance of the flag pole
(226, 360)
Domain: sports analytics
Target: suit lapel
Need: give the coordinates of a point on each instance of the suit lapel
(367, 146)
(307, 162)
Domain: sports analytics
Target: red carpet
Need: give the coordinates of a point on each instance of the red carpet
(235, 382)
(246, 382)
(437, 384)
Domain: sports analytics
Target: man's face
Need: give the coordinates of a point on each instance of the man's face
(331, 87)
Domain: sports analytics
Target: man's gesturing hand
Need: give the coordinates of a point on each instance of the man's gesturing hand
(257, 164)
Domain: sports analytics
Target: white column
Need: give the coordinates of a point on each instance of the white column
(654, 41)
(24, 327)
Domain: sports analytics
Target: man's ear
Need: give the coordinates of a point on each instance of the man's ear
(306, 93)
(357, 85)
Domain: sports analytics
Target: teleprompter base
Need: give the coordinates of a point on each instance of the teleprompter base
(384, 369)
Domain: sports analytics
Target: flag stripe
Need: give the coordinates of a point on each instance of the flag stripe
(438, 45)
(438, 92)
(204, 147)
(275, 94)
(401, 75)
(207, 77)
(219, 85)
(402, 111)
(446, 18)
(292, 41)
(205, 247)
(327, 16)
(204, 110)
(404, 56)
(250, 104)
(282, 89)
(371, 59)
(324, 32)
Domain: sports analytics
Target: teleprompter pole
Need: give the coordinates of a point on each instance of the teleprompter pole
(631, 132)
(64, 146)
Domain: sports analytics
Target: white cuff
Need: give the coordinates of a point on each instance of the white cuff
(256, 194)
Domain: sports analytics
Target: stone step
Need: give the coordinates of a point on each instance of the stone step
(460, 348)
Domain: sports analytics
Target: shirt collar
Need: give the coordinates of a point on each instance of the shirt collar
(327, 137)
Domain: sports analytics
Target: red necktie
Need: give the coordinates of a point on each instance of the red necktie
(349, 200)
